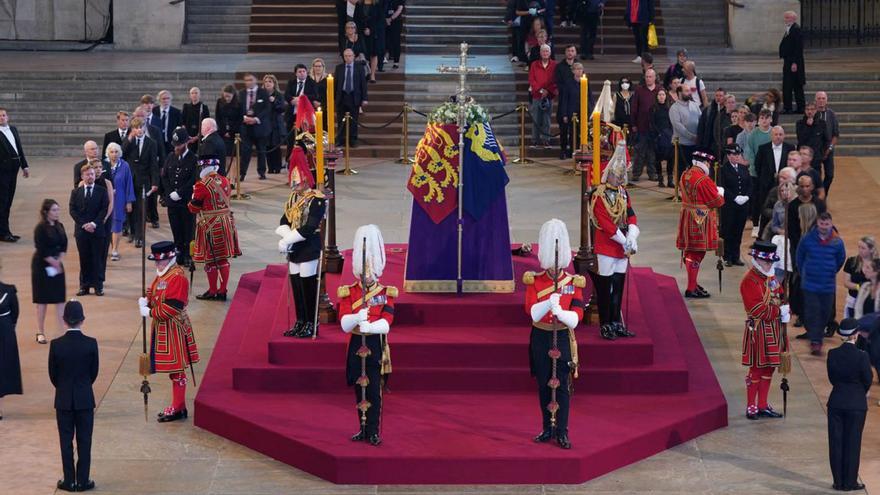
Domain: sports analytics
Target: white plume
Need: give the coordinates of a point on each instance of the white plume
(551, 231)
(375, 251)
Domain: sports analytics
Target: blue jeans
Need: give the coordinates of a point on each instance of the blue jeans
(817, 314)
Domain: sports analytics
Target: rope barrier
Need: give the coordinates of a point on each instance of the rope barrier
(533, 122)
(383, 126)
(420, 113)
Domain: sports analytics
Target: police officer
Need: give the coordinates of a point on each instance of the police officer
(177, 177)
(734, 178)
(849, 372)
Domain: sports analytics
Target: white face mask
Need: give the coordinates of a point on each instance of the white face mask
(624, 86)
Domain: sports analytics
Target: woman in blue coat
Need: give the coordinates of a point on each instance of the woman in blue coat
(123, 192)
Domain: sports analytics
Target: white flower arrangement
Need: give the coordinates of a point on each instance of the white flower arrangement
(447, 113)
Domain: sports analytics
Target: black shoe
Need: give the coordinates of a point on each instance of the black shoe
(83, 291)
(154, 225)
(837, 487)
(696, 294)
(396, 66)
(88, 485)
(738, 263)
(220, 296)
(295, 330)
(206, 296)
(607, 332)
(67, 487)
(176, 415)
(728, 263)
(8, 238)
(752, 416)
(16, 237)
(562, 440)
(241, 178)
(857, 486)
(262, 176)
(138, 243)
(307, 331)
(620, 330)
(543, 437)
(360, 436)
(563, 156)
(99, 291)
(804, 336)
(374, 438)
(831, 329)
(670, 184)
(769, 413)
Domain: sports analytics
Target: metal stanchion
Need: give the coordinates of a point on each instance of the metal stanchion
(404, 138)
(574, 133)
(585, 261)
(348, 170)
(238, 195)
(334, 260)
(522, 136)
(675, 170)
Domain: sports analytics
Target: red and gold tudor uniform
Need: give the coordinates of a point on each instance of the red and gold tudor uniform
(698, 220)
(173, 347)
(764, 341)
(216, 237)
(380, 306)
(539, 288)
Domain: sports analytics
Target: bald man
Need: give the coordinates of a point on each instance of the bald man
(91, 152)
(791, 51)
(211, 144)
(769, 159)
(832, 132)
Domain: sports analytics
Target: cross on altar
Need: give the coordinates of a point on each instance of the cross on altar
(461, 98)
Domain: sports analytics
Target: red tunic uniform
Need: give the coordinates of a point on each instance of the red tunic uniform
(612, 210)
(216, 237)
(539, 287)
(763, 341)
(698, 221)
(172, 334)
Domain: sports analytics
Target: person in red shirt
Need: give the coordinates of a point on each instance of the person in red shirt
(615, 241)
(555, 303)
(542, 91)
(698, 220)
(366, 311)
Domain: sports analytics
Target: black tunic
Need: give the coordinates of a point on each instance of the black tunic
(49, 240)
(310, 248)
(10, 368)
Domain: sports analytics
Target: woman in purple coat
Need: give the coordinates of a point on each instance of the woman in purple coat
(123, 192)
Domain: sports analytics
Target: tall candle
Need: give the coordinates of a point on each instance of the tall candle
(331, 112)
(319, 145)
(597, 155)
(583, 113)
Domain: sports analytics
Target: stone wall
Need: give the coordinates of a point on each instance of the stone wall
(147, 25)
(758, 26)
(53, 20)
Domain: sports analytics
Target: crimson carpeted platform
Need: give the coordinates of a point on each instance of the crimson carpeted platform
(461, 408)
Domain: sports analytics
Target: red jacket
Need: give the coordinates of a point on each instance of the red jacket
(640, 108)
(542, 77)
(606, 226)
(539, 287)
(698, 220)
(380, 301)
(763, 341)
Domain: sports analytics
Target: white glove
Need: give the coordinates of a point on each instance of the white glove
(283, 246)
(174, 196)
(364, 327)
(378, 327)
(293, 237)
(363, 315)
(785, 313)
(554, 299)
(539, 310)
(144, 307)
(632, 234)
(619, 238)
(741, 200)
(142, 302)
(348, 322)
(568, 318)
(282, 230)
(720, 190)
(632, 247)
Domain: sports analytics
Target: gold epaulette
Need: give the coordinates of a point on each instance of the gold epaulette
(318, 194)
(529, 278)
(343, 291)
(579, 281)
(391, 291)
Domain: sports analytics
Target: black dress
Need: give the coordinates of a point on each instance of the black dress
(10, 368)
(49, 240)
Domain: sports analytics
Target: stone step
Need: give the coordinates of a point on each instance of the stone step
(242, 29)
(217, 37)
(231, 10)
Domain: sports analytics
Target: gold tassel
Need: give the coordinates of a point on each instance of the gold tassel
(785, 363)
(144, 365)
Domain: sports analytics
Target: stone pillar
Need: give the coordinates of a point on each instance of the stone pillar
(140, 25)
(758, 27)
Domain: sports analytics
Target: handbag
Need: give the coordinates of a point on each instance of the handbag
(653, 42)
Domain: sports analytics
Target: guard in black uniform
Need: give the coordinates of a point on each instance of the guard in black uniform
(849, 371)
(177, 178)
(301, 240)
(734, 177)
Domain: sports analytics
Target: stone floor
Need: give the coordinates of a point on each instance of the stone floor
(131, 455)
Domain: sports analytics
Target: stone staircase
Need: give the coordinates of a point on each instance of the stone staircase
(217, 26)
(615, 38)
(680, 18)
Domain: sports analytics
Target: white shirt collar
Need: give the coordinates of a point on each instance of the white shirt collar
(777, 146)
(74, 330)
(167, 267)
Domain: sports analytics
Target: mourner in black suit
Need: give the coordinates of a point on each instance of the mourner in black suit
(769, 159)
(73, 368)
(849, 371)
(140, 153)
(166, 118)
(90, 149)
(177, 179)
(791, 51)
(117, 135)
(351, 95)
(734, 178)
(11, 160)
(193, 113)
(301, 84)
(88, 207)
(212, 145)
(256, 127)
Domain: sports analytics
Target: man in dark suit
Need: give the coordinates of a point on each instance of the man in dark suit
(11, 160)
(155, 134)
(177, 179)
(351, 93)
(849, 371)
(166, 118)
(300, 84)
(194, 112)
(791, 51)
(88, 207)
(256, 126)
(117, 135)
(211, 145)
(769, 159)
(140, 153)
(90, 149)
(73, 368)
(734, 178)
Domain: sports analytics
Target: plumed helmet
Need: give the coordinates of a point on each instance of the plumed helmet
(375, 251)
(619, 164)
(552, 231)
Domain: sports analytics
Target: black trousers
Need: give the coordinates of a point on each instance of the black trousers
(755, 204)
(845, 445)
(684, 158)
(827, 172)
(273, 159)
(392, 37)
(90, 248)
(589, 29)
(248, 141)
(135, 222)
(152, 207)
(374, 370)
(79, 424)
(603, 296)
(733, 222)
(105, 250)
(565, 143)
(347, 104)
(8, 180)
(182, 229)
(640, 36)
(540, 342)
(791, 86)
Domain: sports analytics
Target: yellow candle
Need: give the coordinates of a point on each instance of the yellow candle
(331, 112)
(597, 156)
(583, 113)
(319, 146)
